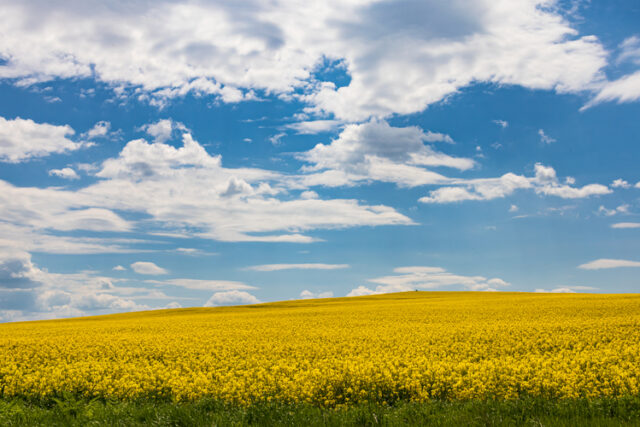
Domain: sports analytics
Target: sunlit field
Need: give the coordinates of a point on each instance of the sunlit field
(406, 347)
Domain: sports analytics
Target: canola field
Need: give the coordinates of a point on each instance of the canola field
(413, 346)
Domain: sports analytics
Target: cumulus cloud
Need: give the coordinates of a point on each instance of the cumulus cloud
(231, 298)
(361, 291)
(164, 183)
(604, 263)
(414, 278)
(18, 272)
(306, 294)
(438, 48)
(162, 130)
(119, 268)
(24, 139)
(64, 173)
(502, 123)
(278, 267)
(620, 183)
(149, 268)
(28, 292)
(377, 151)
(99, 130)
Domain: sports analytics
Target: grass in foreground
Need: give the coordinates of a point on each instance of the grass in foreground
(520, 412)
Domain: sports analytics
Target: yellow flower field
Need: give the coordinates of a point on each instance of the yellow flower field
(412, 346)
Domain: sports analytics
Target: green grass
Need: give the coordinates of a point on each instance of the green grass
(521, 412)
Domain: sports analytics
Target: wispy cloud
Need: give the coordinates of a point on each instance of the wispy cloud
(626, 225)
(604, 263)
(312, 266)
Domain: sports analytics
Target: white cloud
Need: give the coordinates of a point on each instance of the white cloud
(157, 173)
(314, 126)
(231, 298)
(513, 208)
(277, 138)
(438, 48)
(544, 182)
(306, 294)
(119, 268)
(173, 304)
(620, 183)
(502, 123)
(625, 89)
(164, 183)
(99, 130)
(26, 238)
(479, 189)
(544, 138)
(622, 209)
(144, 267)
(414, 278)
(608, 263)
(64, 173)
(29, 292)
(566, 289)
(162, 130)
(637, 184)
(203, 285)
(24, 139)
(278, 267)
(309, 195)
(629, 51)
(377, 151)
(361, 291)
(626, 225)
(49, 208)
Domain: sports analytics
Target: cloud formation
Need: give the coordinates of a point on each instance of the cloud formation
(64, 173)
(438, 48)
(545, 182)
(278, 267)
(421, 278)
(28, 292)
(626, 225)
(306, 294)
(604, 263)
(231, 298)
(148, 268)
(377, 151)
(24, 139)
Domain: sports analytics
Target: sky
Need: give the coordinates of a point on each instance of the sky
(164, 154)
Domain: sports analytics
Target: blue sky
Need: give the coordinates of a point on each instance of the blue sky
(177, 154)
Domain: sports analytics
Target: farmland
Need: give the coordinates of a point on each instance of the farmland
(394, 349)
